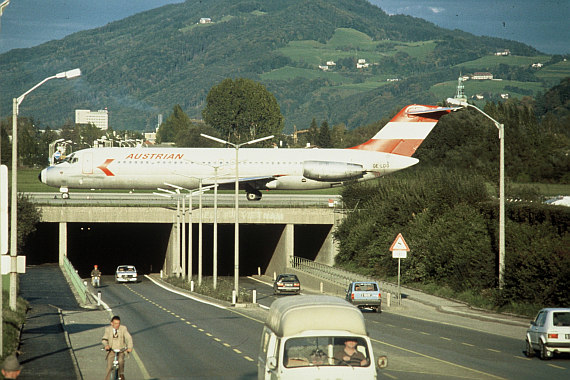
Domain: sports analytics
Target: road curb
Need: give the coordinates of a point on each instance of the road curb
(69, 346)
(445, 309)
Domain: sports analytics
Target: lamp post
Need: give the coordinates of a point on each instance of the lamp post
(501, 129)
(14, 202)
(174, 194)
(236, 237)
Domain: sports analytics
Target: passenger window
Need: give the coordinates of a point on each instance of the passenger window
(540, 319)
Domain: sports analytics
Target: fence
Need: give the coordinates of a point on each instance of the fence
(335, 275)
(75, 280)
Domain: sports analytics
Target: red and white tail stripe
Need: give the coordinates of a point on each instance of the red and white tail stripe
(406, 131)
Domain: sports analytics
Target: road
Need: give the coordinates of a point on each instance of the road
(177, 337)
(149, 199)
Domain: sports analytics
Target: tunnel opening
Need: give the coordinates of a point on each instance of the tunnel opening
(110, 245)
(257, 244)
(42, 246)
(309, 239)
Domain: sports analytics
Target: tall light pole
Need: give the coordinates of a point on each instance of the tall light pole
(501, 129)
(14, 202)
(236, 237)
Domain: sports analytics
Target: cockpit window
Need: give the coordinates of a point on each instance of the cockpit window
(71, 159)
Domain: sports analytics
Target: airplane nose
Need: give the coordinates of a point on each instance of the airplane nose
(42, 176)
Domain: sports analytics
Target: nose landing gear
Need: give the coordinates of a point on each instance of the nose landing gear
(254, 195)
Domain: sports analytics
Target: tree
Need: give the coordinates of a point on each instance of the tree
(324, 139)
(175, 124)
(242, 110)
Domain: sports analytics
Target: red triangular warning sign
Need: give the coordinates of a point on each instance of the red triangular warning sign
(399, 244)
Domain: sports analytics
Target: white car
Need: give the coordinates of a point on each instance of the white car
(126, 273)
(549, 333)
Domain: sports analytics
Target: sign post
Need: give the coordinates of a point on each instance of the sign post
(3, 238)
(399, 250)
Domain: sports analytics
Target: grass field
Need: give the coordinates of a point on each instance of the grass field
(288, 72)
(554, 73)
(490, 61)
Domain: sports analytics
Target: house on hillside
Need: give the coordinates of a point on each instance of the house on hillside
(482, 76)
(503, 52)
(205, 20)
(505, 96)
(331, 63)
(537, 65)
(324, 67)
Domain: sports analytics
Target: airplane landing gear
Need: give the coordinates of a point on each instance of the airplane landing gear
(64, 192)
(255, 195)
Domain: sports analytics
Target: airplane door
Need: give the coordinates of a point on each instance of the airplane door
(87, 165)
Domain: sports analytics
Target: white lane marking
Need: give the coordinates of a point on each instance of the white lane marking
(184, 294)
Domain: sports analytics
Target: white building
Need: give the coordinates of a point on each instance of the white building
(98, 118)
(205, 20)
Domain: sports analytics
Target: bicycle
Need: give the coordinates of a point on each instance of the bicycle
(115, 367)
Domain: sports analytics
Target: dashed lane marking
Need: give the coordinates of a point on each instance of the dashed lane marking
(520, 357)
(490, 349)
(444, 338)
(555, 366)
(467, 344)
(145, 373)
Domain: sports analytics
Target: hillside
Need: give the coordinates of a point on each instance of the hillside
(143, 65)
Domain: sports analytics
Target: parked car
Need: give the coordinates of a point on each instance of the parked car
(549, 333)
(126, 273)
(286, 283)
(365, 294)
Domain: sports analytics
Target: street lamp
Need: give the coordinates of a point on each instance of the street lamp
(501, 128)
(236, 238)
(14, 205)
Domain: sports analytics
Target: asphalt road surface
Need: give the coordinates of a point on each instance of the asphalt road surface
(177, 337)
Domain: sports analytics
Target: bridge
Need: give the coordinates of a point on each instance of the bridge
(152, 237)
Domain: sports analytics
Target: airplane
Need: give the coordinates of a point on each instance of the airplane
(390, 150)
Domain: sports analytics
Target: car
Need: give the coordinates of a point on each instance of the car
(365, 294)
(549, 333)
(126, 273)
(286, 283)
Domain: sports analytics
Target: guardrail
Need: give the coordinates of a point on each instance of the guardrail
(76, 281)
(335, 275)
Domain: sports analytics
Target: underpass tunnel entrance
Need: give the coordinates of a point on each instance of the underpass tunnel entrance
(42, 246)
(112, 244)
(257, 244)
(310, 239)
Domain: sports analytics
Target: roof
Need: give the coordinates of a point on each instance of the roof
(293, 315)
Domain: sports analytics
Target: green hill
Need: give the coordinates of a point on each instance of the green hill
(141, 66)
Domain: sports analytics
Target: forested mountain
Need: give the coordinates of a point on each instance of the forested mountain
(143, 65)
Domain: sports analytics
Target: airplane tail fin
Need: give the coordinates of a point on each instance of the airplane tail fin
(406, 131)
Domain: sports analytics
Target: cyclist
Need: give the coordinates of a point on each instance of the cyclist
(116, 337)
(95, 276)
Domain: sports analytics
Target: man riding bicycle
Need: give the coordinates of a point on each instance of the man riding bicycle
(116, 337)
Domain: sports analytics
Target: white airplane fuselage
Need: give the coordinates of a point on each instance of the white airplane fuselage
(390, 150)
(259, 168)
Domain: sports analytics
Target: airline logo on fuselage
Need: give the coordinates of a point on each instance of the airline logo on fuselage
(155, 156)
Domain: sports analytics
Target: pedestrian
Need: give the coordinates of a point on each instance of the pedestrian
(11, 368)
(116, 337)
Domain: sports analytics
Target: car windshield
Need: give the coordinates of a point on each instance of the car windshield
(126, 269)
(365, 287)
(289, 277)
(561, 318)
(326, 351)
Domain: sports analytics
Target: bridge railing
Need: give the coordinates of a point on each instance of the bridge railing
(74, 278)
(335, 275)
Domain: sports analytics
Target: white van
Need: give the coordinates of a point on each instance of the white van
(315, 337)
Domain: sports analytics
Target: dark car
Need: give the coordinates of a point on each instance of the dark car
(286, 283)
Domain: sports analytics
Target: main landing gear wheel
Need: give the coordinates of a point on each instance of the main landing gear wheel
(253, 196)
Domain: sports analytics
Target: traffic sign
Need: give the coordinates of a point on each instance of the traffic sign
(399, 244)
(399, 254)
